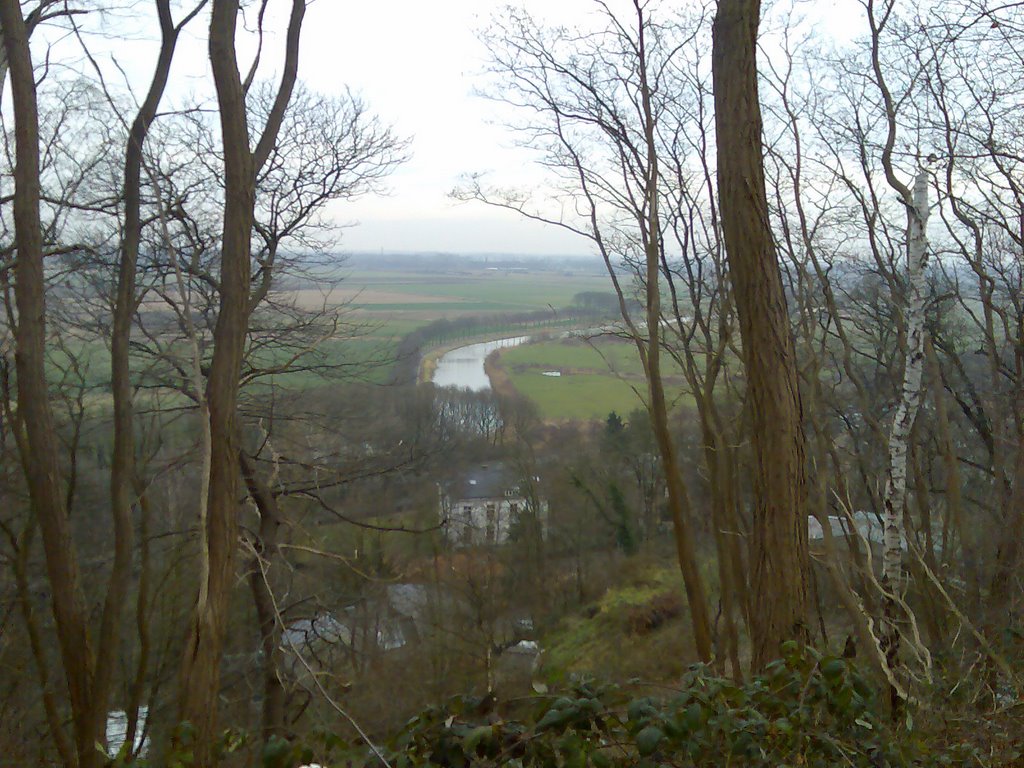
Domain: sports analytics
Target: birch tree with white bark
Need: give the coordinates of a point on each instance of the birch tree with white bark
(915, 200)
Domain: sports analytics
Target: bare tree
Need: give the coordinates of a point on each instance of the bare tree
(36, 431)
(201, 667)
(779, 534)
(88, 667)
(597, 116)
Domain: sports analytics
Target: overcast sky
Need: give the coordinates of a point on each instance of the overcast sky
(417, 65)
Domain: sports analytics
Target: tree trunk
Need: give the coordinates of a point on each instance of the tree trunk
(260, 582)
(39, 456)
(678, 497)
(725, 535)
(122, 468)
(953, 523)
(200, 683)
(1005, 587)
(779, 535)
(201, 669)
(895, 495)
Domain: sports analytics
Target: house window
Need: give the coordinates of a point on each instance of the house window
(492, 521)
(467, 524)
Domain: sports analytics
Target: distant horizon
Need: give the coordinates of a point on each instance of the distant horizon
(467, 254)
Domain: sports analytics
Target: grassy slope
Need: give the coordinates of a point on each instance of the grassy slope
(606, 640)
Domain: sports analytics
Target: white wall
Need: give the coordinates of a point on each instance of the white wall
(469, 523)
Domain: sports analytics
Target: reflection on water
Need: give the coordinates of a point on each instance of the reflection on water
(464, 367)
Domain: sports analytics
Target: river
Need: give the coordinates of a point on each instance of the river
(463, 367)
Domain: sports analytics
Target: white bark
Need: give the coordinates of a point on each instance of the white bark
(910, 398)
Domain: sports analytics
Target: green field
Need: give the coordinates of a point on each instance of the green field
(595, 378)
(391, 304)
(568, 354)
(378, 309)
(584, 396)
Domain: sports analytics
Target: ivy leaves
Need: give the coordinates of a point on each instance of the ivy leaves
(806, 709)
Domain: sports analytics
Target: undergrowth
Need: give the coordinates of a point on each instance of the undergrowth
(806, 709)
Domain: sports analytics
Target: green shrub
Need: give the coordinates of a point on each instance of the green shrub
(805, 710)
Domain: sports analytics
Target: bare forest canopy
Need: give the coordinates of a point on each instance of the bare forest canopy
(752, 493)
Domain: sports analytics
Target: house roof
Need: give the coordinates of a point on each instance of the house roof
(410, 600)
(306, 632)
(392, 619)
(486, 481)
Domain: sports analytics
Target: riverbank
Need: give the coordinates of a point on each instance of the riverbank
(501, 383)
(430, 358)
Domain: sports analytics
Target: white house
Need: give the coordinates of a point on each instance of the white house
(866, 525)
(486, 505)
(870, 527)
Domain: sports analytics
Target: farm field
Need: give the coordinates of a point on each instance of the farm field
(466, 291)
(595, 378)
(381, 308)
(398, 302)
(390, 304)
